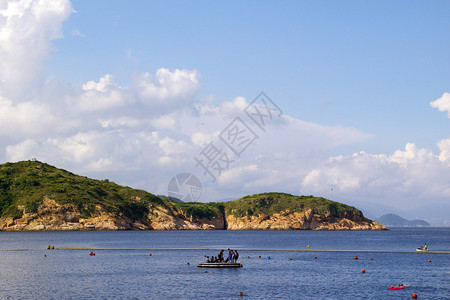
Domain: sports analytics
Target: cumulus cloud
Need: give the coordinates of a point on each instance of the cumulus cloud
(26, 118)
(443, 103)
(411, 175)
(167, 88)
(26, 31)
(444, 156)
(101, 95)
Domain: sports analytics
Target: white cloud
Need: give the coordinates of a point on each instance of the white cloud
(444, 156)
(409, 176)
(26, 32)
(101, 95)
(76, 32)
(164, 122)
(166, 88)
(26, 119)
(443, 103)
(22, 151)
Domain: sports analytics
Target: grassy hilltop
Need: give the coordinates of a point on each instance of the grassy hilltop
(26, 184)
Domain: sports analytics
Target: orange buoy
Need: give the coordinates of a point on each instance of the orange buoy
(260, 256)
(150, 254)
(315, 257)
(363, 271)
(414, 296)
(45, 255)
(430, 260)
(241, 294)
(356, 257)
(371, 258)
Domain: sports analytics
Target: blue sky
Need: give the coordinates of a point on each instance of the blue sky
(373, 66)
(116, 89)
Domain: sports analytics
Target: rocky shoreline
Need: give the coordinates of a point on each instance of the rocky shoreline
(52, 216)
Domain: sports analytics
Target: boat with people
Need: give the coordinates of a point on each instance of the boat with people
(219, 265)
(220, 262)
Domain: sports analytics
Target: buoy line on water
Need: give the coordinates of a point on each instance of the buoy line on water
(241, 249)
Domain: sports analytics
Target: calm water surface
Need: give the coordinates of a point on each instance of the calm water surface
(133, 274)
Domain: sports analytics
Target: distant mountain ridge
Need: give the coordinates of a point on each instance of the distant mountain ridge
(394, 220)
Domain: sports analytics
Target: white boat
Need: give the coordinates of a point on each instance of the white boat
(219, 265)
(421, 249)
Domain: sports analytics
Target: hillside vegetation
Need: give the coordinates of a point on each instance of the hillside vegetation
(270, 203)
(26, 183)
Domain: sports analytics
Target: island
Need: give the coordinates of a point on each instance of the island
(393, 220)
(35, 196)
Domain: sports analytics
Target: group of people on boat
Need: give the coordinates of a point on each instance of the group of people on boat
(232, 257)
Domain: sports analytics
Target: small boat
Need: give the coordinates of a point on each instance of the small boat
(219, 265)
(397, 287)
(421, 249)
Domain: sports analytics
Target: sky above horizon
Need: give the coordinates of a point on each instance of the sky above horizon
(356, 101)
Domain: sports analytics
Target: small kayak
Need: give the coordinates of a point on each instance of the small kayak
(219, 265)
(396, 287)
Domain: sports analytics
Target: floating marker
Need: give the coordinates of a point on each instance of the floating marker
(356, 257)
(429, 260)
(241, 294)
(371, 258)
(414, 296)
(150, 254)
(363, 271)
(315, 257)
(45, 255)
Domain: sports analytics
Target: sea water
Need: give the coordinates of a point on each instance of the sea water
(157, 270)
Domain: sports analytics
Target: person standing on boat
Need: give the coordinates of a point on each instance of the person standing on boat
(221, 256)
(425, 247)
(235, 256)
(230, 255)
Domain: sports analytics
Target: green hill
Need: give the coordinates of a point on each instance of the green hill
(26, 183)
(397, 221)
(270, 203)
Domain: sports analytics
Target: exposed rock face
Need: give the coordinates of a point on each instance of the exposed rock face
(288, 220)
(53, 216)
(169, 219)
